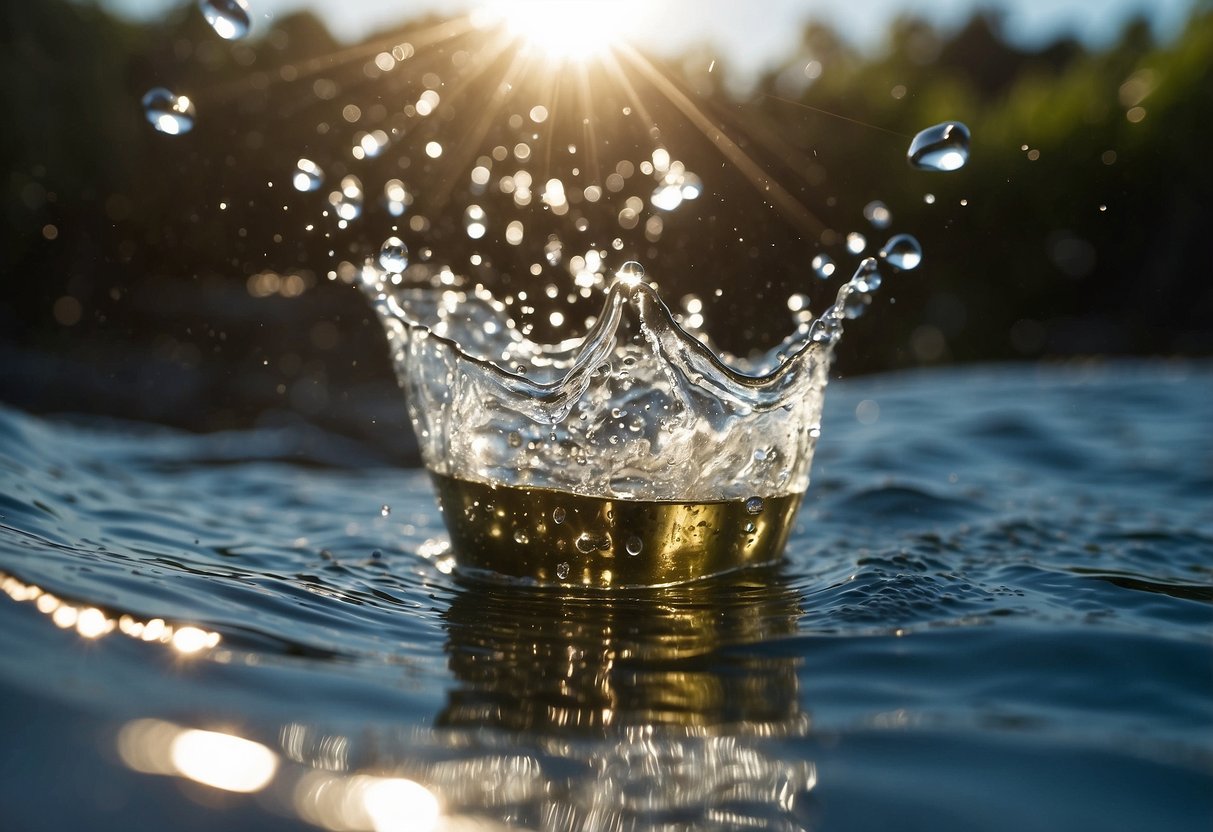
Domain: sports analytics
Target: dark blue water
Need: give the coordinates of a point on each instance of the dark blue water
(996, 613)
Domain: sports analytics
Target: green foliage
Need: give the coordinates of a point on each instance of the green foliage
(1090, 240)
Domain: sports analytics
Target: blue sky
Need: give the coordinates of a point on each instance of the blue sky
(750, 34)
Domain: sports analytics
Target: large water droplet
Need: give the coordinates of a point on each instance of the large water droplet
(393, 255)
(308, 176)
(902, 252)
(823, 266)
(558, 515)
(562, 571)
(229, 18)
(169, 113)
(943, 147)
(754, 505)
(634, 546)
(630, 273)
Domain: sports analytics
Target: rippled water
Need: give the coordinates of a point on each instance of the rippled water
(995, 613)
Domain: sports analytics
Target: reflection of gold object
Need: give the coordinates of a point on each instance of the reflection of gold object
(563, 661)
(558, 537)
(570, 709)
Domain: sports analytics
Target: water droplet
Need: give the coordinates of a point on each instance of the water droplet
(169, 113)
(667, 196)
(824, 267)
(630, 273)
(855, 304)
(475, 221)
(944, 147)
(754, 505)
(856, 242)
(520, 538)
(397, 197)
(393, 255)
(229, 18)
(385, 510)
(308, 176)
(877, 213)
(749, 527)
(867, 277)
(558, 515)
(634, 546)
(692, 186)
(562, 571)
(514, 439)
(902, 252)
(587, 542)
(347, 202)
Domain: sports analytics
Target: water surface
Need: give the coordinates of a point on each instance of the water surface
(994, 613)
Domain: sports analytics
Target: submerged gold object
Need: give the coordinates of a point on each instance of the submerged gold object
(558, 537)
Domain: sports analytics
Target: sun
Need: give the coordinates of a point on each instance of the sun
(570, 30)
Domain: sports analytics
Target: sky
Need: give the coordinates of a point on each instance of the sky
(753, 34)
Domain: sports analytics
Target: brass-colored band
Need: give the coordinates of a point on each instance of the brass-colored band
(561, 538)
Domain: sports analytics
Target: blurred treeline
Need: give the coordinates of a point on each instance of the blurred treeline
(1079, 227)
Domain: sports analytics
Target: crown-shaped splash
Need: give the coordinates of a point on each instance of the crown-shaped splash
(634, 454)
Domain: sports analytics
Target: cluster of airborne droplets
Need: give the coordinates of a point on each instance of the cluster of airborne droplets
(625, 410)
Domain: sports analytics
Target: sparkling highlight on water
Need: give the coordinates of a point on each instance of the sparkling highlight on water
(630, 274)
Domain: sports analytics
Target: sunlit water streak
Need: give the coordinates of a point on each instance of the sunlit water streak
(994, 613)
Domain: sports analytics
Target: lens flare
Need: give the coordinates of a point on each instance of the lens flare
(569, 30)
